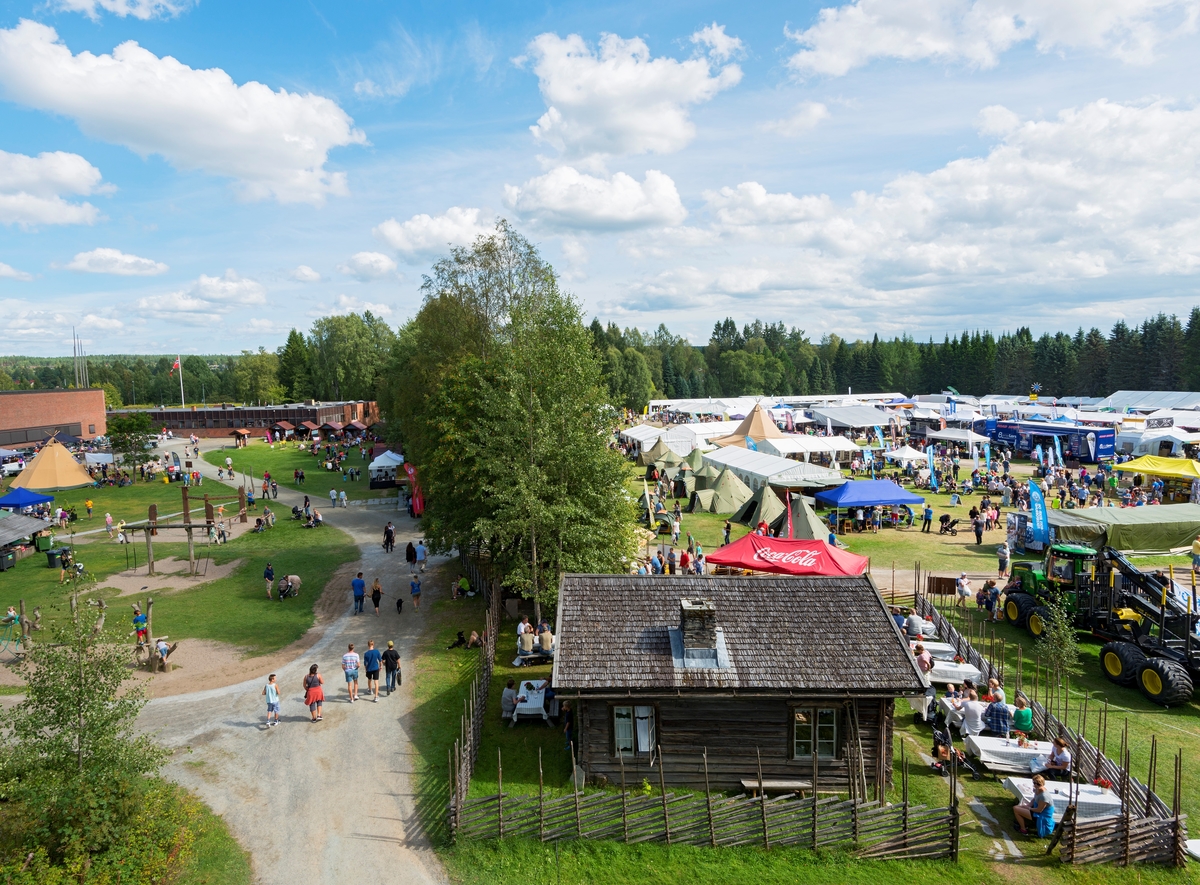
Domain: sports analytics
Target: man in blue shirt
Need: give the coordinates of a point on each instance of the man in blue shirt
(372, 660)
(360, 593)
(269, 577)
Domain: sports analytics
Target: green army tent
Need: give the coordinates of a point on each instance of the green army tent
(684, 482)
(701, 501)
(706, 476)
(656, 453)
(806, 525)
(1154, 529)
(765, 506)
(729, 493)
(695, 459)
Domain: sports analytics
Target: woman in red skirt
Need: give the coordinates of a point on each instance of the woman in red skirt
(314, 694)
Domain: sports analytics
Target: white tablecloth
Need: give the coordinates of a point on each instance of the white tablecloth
(1092, 802)
(999, 753)
(941, 651)
(948, 671)
(534, 705)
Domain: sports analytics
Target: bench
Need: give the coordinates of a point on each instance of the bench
(776, 785)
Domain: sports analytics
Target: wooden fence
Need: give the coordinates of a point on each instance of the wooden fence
(869, 829)
(1147, 830)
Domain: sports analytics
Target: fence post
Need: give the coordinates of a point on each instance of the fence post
(541, 801)
(500, 791)
(453, 791)
(1152, 777)
(814, 801)
(624, 800)
(575, 787)
(762, 798)
(904, 793)
(662, 786)
(954, 818)
(712, 830)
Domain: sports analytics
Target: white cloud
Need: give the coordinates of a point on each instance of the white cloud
(95, 323)
(395, 65)
(143, 9)
(617, 100)
(427, 235)
(274, 144)
(976, 32)
(114, 261)
(347, 304)
(305, 274)
(566, 197)
(749, 203)
(7, 272)
(720, 45)
(367, 266)
(205, 300)
(806, 117)
(32, 188)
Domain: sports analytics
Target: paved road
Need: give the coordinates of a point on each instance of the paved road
(330, 802)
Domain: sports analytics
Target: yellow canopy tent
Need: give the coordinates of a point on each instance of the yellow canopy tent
(1175, 468)
(758, 425)
(53, 469)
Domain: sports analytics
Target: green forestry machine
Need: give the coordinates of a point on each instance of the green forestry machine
(1148, 629)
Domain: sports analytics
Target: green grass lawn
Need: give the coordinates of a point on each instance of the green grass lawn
(216, 857)
(130, 503)
(285, 458)
(233, 609)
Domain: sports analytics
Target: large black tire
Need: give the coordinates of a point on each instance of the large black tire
(1017, 607)
(1166, 683)
(1120, 662)
(1038, 619)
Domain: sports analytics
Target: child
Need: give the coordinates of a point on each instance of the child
(139, 625)
(271, 692)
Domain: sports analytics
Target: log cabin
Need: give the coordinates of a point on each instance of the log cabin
(662, 670)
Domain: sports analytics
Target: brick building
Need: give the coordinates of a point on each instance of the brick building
(221, 419)
(29, 416)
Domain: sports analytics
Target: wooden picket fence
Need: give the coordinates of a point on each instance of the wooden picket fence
(870, 829)
(1147, 829)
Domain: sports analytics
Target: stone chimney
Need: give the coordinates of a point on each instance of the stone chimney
(698, 623)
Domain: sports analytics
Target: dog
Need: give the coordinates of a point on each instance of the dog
(461, 642)
(399, 605)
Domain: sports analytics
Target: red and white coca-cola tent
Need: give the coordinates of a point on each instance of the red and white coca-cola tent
(785, 557)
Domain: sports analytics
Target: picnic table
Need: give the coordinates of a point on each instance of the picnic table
(1003, 754)
(940, 651)
(1091, 801)
(948, 671)
(534, 704)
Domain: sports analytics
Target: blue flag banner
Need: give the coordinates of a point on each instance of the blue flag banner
(751, 444)
(1058, 451)
(1037, 453)
(932, 473)
(987, 455)
(879, 433)
(1039, 521)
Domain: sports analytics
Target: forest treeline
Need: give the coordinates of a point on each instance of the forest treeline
(773, 359)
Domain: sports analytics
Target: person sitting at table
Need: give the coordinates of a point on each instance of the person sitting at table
(525, 644)
(1038, 811)
(508, 700)
(898, 616)
(924, 658)
(996, 719)
(1059, 763)
(952, 691)
(1022, 718)
(546, 643)
(913, 625)
(972, 715)
(996, 691)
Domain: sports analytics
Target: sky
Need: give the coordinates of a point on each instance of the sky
(200, 177)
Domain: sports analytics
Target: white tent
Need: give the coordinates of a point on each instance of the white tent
(682, 438)
(90, 458)
(642, 433)
(905, 454)
(758, 468)
(387, 463)
(958, 435)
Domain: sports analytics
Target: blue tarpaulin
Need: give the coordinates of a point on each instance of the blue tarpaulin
(867, 493)
(19, 498)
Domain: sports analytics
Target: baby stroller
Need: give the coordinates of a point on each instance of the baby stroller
(287, 589)
(948, 526)
(944, 750)
(297, 513)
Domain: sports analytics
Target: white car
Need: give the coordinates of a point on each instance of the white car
(12, 468)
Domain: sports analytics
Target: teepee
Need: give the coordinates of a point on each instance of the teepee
(729, 493)
(53, 469)
(758, 425)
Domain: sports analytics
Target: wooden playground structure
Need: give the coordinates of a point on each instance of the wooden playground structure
(152, 526)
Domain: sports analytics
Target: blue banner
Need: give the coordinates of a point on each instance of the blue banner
(1039, 521)
(932, 473)
(751, 444)
(879, 433)
(1037, 454)
(987, 454)
(1058, 451)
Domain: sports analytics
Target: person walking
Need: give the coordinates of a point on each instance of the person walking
(728, 529)
(927, 518)
(963, 589)
(372, 658)
(269, 578)
(376, 595)
(359, 586)
(342, 498)
(271, 693)
(389, 538)
(977, 527)
(422, 553)
(410, 556)
(1002, 556)
(391, 667)
(314, 693)
(108, 525)
(333, 497)
(89, 504)
(350, 662)
(414, 590)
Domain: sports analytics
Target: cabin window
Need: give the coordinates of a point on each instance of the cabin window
(815, 729)
(633, 731)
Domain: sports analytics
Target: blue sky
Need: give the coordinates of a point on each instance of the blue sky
(200, 177)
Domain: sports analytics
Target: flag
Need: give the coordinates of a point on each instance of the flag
(751, 445)
(1058, 451)
(1039, 522)
(932, 472)
(987, 454)
(788, 495)
(174, 368)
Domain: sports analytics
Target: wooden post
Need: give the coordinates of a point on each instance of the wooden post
(762, 799)
(149, 554)
(954, 817)
(1152, 777)
(662, 787)
(191, 552)
(904, 792)
(712, 829)
(500, 790)
(450, 780)
(575, 787)
(625, 800)
(814, 800)
(541, 801)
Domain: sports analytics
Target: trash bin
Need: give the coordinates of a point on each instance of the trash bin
(54, 558)
(7, 560)
(42, 543)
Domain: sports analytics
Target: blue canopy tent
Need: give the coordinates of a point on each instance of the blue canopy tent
(20, 498)
(867, 493)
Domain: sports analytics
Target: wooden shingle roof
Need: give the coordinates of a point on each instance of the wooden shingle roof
(827, 634)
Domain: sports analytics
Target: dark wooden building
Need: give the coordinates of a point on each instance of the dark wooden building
(737, 666)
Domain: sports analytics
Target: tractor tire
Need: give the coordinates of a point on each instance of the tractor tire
(1164, 682)
(1120, 662)
(1038, 619)
(1017, 607)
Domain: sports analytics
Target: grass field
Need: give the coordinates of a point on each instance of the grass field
(233, 609)
(216, 857)
(130, 503)
(284, 458)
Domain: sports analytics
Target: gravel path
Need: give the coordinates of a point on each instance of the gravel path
(330, 802)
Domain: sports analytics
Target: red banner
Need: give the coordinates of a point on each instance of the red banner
(418, 499)
(785, 557)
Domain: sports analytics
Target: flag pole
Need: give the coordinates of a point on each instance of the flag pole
(179, 362)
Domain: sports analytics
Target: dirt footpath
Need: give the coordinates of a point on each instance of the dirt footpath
(330, 802)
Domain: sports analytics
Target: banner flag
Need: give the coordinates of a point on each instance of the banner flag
(1039, 520)
(932, 473)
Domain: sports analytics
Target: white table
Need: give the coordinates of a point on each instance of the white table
(1000, 754)
(1092, 802)
(534, 705)
(948, 671)
(941, 651)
